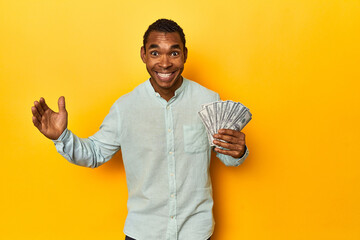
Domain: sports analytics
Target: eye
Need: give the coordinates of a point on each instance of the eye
(154, 53)
(174, 54)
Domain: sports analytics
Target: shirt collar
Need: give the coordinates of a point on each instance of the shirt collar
(177, 91)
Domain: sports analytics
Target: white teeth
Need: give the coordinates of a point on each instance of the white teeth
(164, 75)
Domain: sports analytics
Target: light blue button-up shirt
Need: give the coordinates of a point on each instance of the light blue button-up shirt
(166, 156)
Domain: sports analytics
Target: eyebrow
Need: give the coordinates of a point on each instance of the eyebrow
(176, 46)
(153, 46)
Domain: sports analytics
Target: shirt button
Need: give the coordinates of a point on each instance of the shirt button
(170, 152)
(172, 195)
(167, 107)
(169, 130)
(172, 217)
(171, 174)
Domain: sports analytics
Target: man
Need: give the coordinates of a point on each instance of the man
(164, 145)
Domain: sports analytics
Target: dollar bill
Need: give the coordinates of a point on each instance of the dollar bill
(223, 115)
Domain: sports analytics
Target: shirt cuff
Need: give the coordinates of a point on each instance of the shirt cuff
(63, 136)
(241, 160)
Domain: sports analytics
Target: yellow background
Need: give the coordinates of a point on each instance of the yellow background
(295, 64)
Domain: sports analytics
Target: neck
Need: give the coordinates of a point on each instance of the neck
(168, 93)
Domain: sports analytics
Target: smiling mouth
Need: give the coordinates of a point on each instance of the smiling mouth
(165, 76)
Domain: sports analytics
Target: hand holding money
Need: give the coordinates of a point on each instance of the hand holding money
(232, 140)
(223, 121)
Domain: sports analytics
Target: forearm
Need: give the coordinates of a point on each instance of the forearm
(84, 152)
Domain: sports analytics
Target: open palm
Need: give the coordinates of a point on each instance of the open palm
(50, 123)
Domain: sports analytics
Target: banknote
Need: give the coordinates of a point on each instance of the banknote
(223, 115)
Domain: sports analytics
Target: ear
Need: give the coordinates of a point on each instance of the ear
(142, 54)
(185, 54)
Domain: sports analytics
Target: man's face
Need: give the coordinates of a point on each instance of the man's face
(164, 57)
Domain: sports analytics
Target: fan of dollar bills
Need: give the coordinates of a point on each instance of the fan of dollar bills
(224, 114)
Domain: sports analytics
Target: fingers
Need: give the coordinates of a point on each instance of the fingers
(231, 136)
(235, 154)
(61, 104)
(36, 122)
(36, 114)
(227, 138)
(230, 146)
(39, 108)
(233, 141)
(43, 104)
(233, 150)
(230, 132)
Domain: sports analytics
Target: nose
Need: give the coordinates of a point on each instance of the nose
(165, 62)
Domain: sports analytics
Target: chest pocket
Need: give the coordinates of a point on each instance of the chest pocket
(195, 138)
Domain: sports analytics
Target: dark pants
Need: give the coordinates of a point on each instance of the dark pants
(129, 238)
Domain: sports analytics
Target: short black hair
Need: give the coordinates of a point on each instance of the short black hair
(165, 26)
